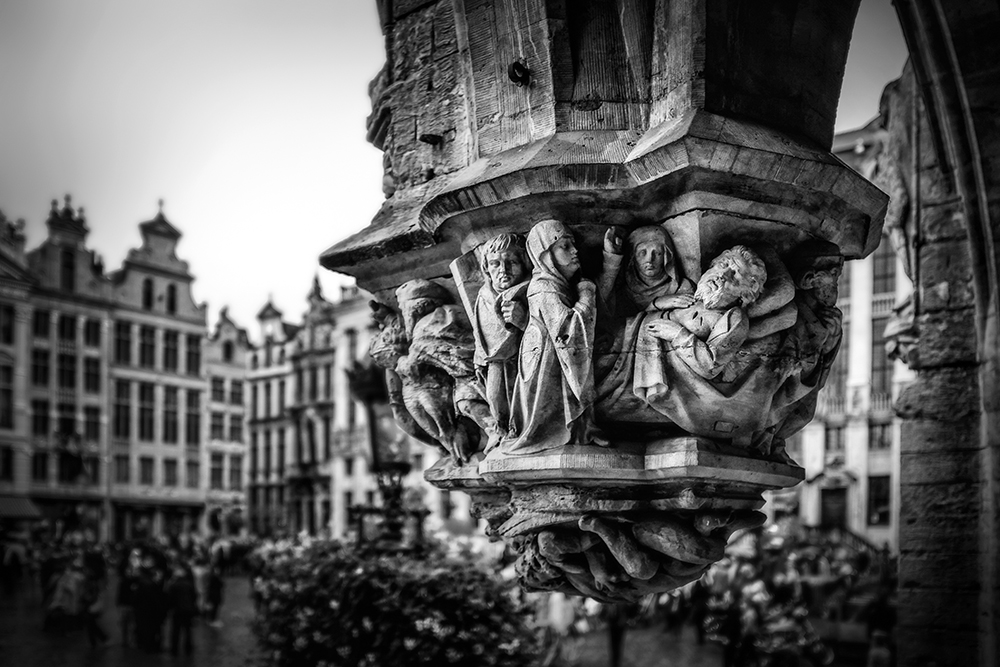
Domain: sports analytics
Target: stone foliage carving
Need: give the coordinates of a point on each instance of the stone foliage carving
(630, 377)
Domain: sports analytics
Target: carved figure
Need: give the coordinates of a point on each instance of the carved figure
(427, 351)
(652, 285)
(552, 403)
(500, 317)
(813, 342)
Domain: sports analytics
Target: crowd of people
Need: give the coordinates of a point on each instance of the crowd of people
(156, 589)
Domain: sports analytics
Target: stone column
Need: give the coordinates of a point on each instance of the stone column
(561, 177)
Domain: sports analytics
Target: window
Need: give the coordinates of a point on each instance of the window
(68, 467)
(122, 418)
(68, 270)
(6, 396)
(215, 473)
(236, 392)
(6, 324)
(348, 505)
(146, 405)
(879, 436)
(328, 381)
(123, 343)
(171, 299)
(236, 472)
(92, 423)
(881, 365)
(884, 268)
(219, 390)
(40, 368)
(192, 421)
(253, 456)
(879, 502)
(193, 474)
(281, 452)
(40, 324)
(169, 472)
(146, 470)
(299, 385)
(218, 426)
(171, 342)
(253, 402)
(40, 418)
(170, 409)
(352, 346)
(193, 354)
(147, 294)
(281, 398)
(67, 328)
(67, 419)
(6, 464)
(370, 498)
(267, 400)
(66, 371)
(122, 471)
(837, 382)
(253, 361)
(313, 383)
(327, 428)
(236, 428)
(227, 351)
(352, 414)
(92, 333)
(349, 466)
(267, 454)
(92, 469)
(92, 375)
(40, 467)
(147, 346)
(834, 439)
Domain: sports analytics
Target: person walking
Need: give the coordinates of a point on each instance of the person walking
(93, 609)
(216, 585)
(184, 607)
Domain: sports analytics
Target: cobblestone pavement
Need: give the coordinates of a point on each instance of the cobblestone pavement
(23, 644)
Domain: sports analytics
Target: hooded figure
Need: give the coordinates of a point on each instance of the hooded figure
(552, 404)
(653, 285)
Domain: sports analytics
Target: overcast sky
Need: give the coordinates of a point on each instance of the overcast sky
(246, 116)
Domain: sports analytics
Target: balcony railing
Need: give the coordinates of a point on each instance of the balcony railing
(880, 403)
(882, 304)
(830, 405)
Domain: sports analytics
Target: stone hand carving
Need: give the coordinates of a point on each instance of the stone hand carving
(552, 402)
(499, 319)
(427, 350)
(622, 559)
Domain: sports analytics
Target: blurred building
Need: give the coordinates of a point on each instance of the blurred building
(309, 445)
(108, 429)
(850, 451)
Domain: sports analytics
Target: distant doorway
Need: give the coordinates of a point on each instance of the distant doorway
(833, 508)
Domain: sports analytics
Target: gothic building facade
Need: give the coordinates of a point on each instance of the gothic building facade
(109, 428)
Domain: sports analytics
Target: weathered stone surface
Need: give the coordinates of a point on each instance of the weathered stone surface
(939, 517)
(944, 394)
(940, 467)
(947, 338)
(931, 609)
(945, 276)
(930, 435)
(923, 646)
(939, 571)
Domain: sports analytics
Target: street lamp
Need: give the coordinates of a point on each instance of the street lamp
(390, 463)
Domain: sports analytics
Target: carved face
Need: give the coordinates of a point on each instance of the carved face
(650, 258)
(564, 257)
(506, 268)
(823, 284)
(730, 280)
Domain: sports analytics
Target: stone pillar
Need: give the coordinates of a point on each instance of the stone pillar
(611, 237)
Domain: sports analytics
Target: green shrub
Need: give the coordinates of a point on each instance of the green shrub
(328, 604)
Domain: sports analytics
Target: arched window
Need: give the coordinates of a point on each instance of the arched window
(253, 361)
(147, 294)
(227, 351)
(281, 356)
(172, 299)
(67, 273)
